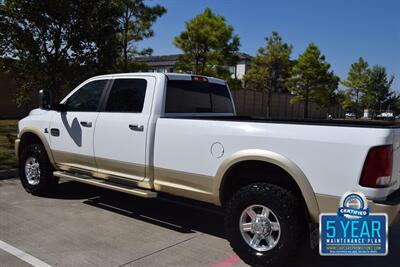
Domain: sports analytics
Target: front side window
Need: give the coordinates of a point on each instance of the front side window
(87, 98)
(127, 95)
(197, 97)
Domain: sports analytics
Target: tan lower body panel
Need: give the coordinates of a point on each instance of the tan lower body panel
(134, 174)
(107, 166)
(194, 186)
(190, 185)
(16, 147)
(145, 183)
(106, 184)
(74, 160)
(121, 169)
(330, 204)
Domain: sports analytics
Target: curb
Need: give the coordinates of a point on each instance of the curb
(7, 174)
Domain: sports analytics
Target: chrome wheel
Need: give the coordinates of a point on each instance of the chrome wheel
(260, 227)
(32, 171)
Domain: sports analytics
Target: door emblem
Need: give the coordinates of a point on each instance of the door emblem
(55, 132)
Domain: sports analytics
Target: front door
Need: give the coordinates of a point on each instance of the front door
(121, 129)
(71, 132)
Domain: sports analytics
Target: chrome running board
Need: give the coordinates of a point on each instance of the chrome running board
(106, 184)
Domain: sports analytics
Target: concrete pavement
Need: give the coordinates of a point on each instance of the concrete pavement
(81, 225)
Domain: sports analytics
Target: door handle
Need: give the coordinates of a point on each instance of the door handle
(86, 124)
(136, 127)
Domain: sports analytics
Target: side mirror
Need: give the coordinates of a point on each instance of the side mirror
(44, 99)
(59, 107)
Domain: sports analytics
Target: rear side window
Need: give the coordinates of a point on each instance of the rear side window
(127, 95)
(221, 99)
(87, 97)
(197, 97)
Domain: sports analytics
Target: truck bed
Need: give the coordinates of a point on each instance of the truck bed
(323, 122)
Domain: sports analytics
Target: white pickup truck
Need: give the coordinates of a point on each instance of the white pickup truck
(145, 133)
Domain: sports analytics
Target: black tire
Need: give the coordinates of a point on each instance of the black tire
(46, 182)
(287, 210)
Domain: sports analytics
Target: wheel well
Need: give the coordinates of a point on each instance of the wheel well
(28, 139)
(252, 171)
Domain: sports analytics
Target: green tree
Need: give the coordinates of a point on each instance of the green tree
(357, 83)
(312, 79)
(393, 103)
(135, 24)
(270, 68)
(327, 95)
(55, 44)
(378, 94)
(208, 45)
(343, 98)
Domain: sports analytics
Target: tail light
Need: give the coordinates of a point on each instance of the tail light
(377, 170)
(199, 79)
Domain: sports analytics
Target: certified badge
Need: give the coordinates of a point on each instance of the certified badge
(353, 230)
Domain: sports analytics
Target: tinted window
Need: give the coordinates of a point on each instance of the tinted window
(127, 95)
(197, 97)
(87, 98)
(221, 99)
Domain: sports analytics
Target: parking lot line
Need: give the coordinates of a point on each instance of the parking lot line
(22, 255)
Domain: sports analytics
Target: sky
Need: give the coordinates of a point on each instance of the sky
(344, 30)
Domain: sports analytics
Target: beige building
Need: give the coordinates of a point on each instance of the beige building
(167, 63)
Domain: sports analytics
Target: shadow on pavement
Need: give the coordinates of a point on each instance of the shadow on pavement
(187, 216)
(182, 215)
(8, 174)
(75, 190)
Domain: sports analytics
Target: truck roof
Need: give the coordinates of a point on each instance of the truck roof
(170, 76)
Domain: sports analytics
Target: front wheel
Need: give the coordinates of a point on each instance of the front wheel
(35, 170)
(264, 224)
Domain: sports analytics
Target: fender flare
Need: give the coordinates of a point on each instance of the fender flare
(42, 138)
(271, 157)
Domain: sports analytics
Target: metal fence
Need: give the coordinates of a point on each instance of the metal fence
(250, 102)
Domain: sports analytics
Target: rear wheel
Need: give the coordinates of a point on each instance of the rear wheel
(36, 172)
(264, 224)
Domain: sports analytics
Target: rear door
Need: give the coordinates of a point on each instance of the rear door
(71, 132)
(121, 128)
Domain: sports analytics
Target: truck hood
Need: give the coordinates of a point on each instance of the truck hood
(37, 111)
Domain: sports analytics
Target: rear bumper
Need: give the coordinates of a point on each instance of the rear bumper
(391, 210)
(391, 206)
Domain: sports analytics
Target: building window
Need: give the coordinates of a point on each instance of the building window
(161, 69)
(232, 69)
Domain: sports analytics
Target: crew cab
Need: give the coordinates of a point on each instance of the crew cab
(151, 133)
